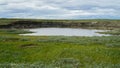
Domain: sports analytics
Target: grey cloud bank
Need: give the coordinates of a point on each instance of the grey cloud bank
(60, 9)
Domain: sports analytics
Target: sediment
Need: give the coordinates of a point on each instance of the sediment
(36, 24)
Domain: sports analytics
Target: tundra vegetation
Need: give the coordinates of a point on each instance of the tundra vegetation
(60, 51)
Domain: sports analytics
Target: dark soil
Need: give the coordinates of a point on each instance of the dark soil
(28, 45)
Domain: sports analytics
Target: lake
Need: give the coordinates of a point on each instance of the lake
(64, 32)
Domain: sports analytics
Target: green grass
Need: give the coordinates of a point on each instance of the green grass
(113, 22)
(112, 32)
(13, 31)
(58, 52)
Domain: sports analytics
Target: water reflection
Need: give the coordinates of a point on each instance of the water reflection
(64, 32)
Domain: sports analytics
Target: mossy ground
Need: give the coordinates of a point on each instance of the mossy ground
(58, 52)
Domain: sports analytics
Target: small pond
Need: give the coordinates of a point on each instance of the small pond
(64, 32)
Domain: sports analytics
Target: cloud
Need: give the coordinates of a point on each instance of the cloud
(60, 9)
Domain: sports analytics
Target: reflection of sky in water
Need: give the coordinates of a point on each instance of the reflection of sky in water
(64, 32)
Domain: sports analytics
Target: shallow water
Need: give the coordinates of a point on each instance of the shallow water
(64, 32)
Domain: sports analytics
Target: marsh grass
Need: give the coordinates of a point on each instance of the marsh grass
(112, 32)
(58, 52)
(14, 31)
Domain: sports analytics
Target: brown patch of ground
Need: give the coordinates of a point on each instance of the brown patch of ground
(28, 45)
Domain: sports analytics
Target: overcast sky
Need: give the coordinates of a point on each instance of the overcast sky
(60, 9)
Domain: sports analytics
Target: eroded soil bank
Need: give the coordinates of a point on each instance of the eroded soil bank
(72, 24)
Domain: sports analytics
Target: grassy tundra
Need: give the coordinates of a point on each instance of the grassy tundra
(37, 23)
(58, 52)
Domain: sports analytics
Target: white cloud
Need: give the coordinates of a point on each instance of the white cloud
(58, 8)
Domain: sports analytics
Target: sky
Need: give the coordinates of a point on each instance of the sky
(60, 9)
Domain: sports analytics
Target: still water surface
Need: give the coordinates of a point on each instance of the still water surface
(64, 32)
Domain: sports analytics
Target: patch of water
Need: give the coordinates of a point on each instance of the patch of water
(64, 32)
